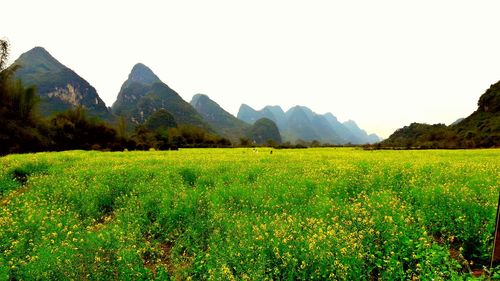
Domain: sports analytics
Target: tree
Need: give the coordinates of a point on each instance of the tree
(121, 127)
(160, 119)
(144, 138)
(245, 142)
(315, 143)
(21, 128)
(72, 129)
(4, 53)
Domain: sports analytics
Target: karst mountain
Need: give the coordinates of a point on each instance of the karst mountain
(144, 99)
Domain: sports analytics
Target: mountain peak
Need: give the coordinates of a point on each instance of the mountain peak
(247, 114)
(39, 51)
(203, 103)
(39, 59)
(302, 109)
(274, 107)
(245, 106)
(59, 87)
(142, 74)
(199, 98)
(220, 120)
(351, 123)
(293, 109)
(329, 116)
(296, 112)
(354, 128)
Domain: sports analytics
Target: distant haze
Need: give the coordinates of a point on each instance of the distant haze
(383, 63)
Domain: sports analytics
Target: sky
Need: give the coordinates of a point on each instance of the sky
(382, 63)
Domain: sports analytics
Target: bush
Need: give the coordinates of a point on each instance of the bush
(74, 130)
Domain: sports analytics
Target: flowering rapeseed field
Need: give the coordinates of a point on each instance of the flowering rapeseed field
(228, 214)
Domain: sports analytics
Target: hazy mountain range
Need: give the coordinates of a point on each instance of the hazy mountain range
(143, 94)
(301, 123)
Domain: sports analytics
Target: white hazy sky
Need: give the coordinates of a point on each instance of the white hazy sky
(381, 63)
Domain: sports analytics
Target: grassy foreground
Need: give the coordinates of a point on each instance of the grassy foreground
(225, 214)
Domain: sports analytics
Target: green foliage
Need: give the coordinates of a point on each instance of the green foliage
(191, 136)
(174, 138)
(189, 176)
(480, 129)
(244, 142)
(21, 174)
(423, 136)
(122, 128)
(20, 128)
(144, 138)
(74, 130)
(160, 120)
(490, 100)
(341, 214)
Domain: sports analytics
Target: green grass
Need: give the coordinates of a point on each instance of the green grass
(225, 214)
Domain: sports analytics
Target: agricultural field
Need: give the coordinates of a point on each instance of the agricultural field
(231, 214)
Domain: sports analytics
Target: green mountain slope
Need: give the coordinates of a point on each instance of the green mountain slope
(143, 93)
(161, 119)
(339, 128)
(480, 129)
(325, 131)
(59, 87)
(264, 131)
(139, 82)
(299, 126)
(248, 114)
(423, 136)
(359, 136)
(220, 120)
(277, 114)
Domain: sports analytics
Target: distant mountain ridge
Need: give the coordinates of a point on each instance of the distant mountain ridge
(262, 131)
(59, 87)
(302, 123)
(144, 96)
(220, 120)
